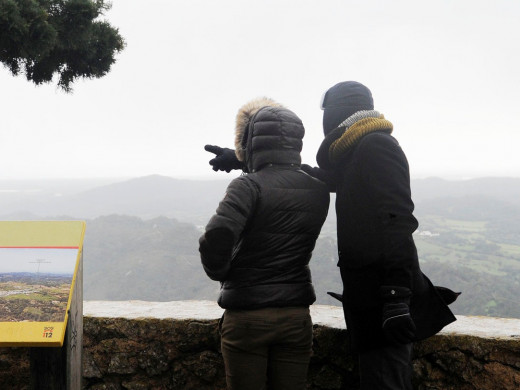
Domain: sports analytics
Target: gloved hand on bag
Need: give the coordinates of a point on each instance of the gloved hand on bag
(398, 325)
(225, 159)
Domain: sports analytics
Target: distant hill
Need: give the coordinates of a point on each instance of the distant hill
(188, 200)
(505, 189)
(156, 260)
(145, 197)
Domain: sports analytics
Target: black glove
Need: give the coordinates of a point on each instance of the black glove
(225, 159)
(398, 325)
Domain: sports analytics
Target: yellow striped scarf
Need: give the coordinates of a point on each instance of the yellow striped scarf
(354, 134)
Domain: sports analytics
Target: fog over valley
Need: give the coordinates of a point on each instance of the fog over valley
(142, 235)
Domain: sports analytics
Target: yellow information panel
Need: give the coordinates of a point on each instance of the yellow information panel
(39, 262)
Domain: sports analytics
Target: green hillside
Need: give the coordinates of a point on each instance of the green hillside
(472, 244)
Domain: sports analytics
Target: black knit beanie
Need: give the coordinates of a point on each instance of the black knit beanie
(342, 100)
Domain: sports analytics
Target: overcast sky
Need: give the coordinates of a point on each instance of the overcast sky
(446, 73)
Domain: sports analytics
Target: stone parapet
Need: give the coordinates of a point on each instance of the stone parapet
(138, 345)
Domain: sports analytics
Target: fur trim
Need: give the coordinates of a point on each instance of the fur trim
(244, 115)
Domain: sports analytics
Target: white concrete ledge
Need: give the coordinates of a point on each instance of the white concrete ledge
(332, 316)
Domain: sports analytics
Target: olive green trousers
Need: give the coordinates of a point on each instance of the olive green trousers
(266, 348)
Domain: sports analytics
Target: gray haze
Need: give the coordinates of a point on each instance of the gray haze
(194, 201)
(444, 72)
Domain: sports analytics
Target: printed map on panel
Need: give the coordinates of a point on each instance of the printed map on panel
(35, 283)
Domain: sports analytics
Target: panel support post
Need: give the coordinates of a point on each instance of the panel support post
(60, 368)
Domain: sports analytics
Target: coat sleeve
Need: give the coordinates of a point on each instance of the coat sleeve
(325, 176)
(226, 226)
(384, 168)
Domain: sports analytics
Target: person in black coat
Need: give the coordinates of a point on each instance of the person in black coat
(259, 244)
(388, 302)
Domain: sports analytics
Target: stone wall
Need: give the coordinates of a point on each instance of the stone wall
(175, 345)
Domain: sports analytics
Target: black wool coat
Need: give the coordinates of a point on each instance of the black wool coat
(375, 223)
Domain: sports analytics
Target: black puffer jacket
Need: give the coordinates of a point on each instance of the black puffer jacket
(260, 241)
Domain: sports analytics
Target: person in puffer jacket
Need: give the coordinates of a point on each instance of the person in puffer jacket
(259, 244)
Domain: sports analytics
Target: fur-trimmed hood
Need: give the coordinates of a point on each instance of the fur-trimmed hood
(277, 132)
(244, 115)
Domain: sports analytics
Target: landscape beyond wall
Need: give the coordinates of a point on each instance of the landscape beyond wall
(139, 345)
